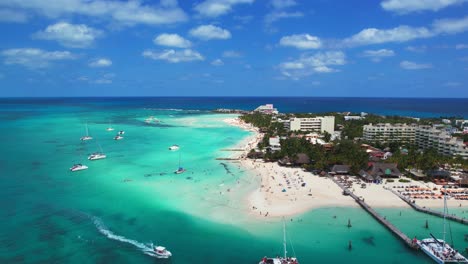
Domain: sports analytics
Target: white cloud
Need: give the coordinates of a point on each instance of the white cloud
(409, 65)
(174, 56)
(301, 41)
(232, 54)
(9, 15)
(409, 6)
(418, 49)
(309, 64)
(280, 4)
(461, 46)
(34, 58)
(127, 13)
(100, 62)
(70, 35)
(377, 36)
(405, 33)
(207, 32)
(215, 8)
(172, 40)
(217, 62)
(450, 26)
(378, 55)
(277, 15)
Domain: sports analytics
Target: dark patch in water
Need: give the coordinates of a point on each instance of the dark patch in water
(228, 171)
(132, 221)
(369, 240)
(50, 141)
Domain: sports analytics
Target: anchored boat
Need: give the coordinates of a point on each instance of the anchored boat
(438, 249)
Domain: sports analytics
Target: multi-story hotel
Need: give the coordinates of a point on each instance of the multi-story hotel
(319, 124)
(436, 137)
(390, 132)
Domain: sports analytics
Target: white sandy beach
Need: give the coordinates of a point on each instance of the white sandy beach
(290, 191)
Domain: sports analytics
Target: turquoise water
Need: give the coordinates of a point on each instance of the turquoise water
(51, 215)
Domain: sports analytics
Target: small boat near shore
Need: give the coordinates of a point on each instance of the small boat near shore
(439, 250)
(174, 147)
(78, 167)
(118, 137)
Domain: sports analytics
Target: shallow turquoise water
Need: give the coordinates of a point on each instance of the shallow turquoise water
(51, 215)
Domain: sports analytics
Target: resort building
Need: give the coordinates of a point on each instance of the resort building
(389, 132)
(319, 124)
(267, 109)
(440, 139)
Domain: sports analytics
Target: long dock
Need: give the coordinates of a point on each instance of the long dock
(429, 211)
(408, 241)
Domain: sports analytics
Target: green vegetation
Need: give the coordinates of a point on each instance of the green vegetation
(347, 151)
(404, 180)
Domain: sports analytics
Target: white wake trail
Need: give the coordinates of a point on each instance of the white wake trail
(146, 249)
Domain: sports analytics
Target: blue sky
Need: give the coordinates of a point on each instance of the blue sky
(366, 48)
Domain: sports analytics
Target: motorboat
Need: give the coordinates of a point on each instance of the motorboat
(78, 167)
(439, 250)
(118, 137)
(97, 156)
(121, 132)
(162, 252)
(174, 147)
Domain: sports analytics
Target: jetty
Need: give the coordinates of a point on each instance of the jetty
(233, 149)
(227, 158)
(408, 241)
(427, 210)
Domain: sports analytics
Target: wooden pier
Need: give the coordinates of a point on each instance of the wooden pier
(408, 241)
(428, 211)
(232, 149)
(227, 159)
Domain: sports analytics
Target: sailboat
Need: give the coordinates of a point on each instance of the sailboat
(97, 155)
(180, 169)
(110, 128)
(280, 260)
(439, 250)
(87, 137)
(78, 167)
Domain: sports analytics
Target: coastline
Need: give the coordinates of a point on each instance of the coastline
(288, 191)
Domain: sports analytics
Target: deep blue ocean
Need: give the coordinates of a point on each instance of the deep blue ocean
(415, 107)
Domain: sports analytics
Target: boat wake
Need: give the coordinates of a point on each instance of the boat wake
(145, 248)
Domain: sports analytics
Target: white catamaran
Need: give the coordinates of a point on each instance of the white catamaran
(438, 249)
(281, 260)
(87, 137)
(97, 155)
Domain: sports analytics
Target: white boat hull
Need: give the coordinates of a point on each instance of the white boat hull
(73, 169)
(441, 259)
(86, 138)
(94, 157)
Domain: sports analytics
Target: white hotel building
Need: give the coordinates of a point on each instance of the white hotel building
(318, 124)
(423, 136)
(389, 132)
